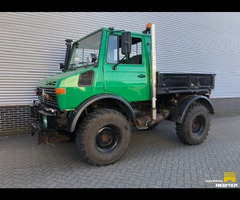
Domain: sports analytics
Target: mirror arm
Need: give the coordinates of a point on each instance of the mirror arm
(115, 66)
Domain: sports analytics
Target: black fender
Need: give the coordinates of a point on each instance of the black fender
(122, 103)
(178, 113)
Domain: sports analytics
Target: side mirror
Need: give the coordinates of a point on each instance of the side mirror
(94, 57)
(126, 43)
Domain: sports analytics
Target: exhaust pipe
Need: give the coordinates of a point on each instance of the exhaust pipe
(67, 56)
(153, 64)
(146, 121)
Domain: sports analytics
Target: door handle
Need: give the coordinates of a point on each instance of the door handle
(141, 76)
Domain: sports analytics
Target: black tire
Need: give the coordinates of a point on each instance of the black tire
(103, 136)
(195, 126)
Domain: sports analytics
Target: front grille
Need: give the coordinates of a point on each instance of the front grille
(52, 101)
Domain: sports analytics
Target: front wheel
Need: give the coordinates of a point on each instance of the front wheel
(195, 126)
(103, 136)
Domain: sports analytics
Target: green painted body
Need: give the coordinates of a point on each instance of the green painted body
(123, 82)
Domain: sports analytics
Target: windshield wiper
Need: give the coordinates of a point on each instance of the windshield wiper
(74, 68)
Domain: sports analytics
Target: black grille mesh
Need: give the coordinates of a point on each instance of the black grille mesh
(52, 101)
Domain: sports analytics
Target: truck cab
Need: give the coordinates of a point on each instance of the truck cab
(108, 84)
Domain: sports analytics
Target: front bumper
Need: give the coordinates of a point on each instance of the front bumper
(49, 124)
(48, 120)
(34, 128)
(44, 122)
(43, 133)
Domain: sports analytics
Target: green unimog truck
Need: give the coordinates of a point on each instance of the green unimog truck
(109, 84)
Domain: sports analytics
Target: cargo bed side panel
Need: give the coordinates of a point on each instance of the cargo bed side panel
(184, 83)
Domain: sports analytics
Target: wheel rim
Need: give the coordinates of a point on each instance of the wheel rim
(198, 125)
(108, 138)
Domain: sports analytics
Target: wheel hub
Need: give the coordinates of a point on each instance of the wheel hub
(107, 138)
(198, 125)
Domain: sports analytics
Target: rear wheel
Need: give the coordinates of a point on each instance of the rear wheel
(195, 126)
(103, 136)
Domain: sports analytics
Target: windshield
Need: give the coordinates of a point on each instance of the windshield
(86, 51)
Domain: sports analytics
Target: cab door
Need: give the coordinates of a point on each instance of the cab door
(130, 78)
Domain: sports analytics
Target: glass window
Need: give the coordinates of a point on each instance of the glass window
(136, 51)
(112, 51)
(85, 49)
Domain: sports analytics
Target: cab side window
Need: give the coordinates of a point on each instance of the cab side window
(136, 53)
(114, 51)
